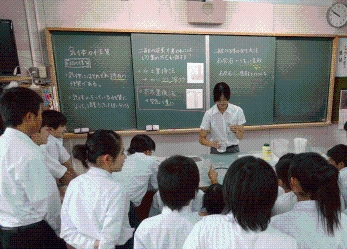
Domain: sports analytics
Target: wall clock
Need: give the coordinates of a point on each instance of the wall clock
(337, 15)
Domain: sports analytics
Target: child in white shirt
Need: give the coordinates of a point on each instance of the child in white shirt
(178, 181)
(56, 122)
(316, 220)
(95, 207)
(250, 191)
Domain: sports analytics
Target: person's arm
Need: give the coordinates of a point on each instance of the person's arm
(70, 233)
(238, 130)
(116, 229)
(41, 190)
(204, 141)
(213, 175)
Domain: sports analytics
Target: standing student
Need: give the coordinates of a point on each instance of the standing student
(58, 171)
(56, 122)
(29, 197)
(224, 120)
(337, 156)
(250, 191)
(316, 220)
(178, 181)
(95, 207)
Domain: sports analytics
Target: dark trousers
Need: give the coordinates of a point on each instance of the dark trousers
(230, 149)
(37, 235)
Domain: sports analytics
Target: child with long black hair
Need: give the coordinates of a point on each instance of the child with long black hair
(95, 208)
(316, 220)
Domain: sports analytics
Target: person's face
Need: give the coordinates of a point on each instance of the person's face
(117, 163)
(222, 103)
(41, 137)
(35, 122)
(59, 132)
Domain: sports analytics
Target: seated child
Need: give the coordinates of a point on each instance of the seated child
(56, 121)
(95, 207)
(316, 220)
(178, 181)
(250, 191)
(285, 202)
(213, 202)
(139, 170)
(337, 156)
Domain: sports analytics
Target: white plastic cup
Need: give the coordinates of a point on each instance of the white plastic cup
(300, 145)
(223, 147)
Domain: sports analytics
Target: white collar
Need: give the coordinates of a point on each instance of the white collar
(216, 110)
(185, 210)
(12, 132)
(305, 205)
(93, 170)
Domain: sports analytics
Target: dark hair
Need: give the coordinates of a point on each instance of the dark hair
(338, 153)
(101, 142)
(213, 200)
(53, 119)
(220, 89)
(282, 168)
(178, 180)
(345, 126)
(289, 156)
(250, 191)
(319, 179)
(141, 143)
(16, 102)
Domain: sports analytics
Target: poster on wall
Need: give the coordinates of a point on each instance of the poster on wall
(341, 67)
(343, 109)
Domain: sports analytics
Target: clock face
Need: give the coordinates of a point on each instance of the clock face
(337, 15)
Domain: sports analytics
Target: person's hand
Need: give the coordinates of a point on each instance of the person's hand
(236, 128)
(96, 244)
(216, 144)
(68, 176)
(212, 174)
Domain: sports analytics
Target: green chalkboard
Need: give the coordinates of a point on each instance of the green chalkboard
(302, 79)
(246, 64)
(169, 78)
(94, 79)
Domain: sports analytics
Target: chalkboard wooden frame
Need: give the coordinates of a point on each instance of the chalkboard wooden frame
(49, 30)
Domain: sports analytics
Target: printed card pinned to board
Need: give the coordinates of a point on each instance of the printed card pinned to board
(194, 98)
(343, 109)
(341, 69)
(195, 72)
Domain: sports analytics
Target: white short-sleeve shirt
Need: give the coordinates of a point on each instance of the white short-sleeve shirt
(56, 149)
(304, 224)
(284, 203)
(28, 192)
(219, 124)
(166, 230)
(138, 171)
(343, 184)
(95, 207)
(222, 231)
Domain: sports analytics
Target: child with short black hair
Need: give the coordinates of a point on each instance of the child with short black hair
(178, 181)
(213, 202)
(337, 156)
(250, 191)
(56, 121)
(30, 204)
(95, 207)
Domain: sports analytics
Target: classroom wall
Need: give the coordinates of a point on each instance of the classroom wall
(31, 17)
